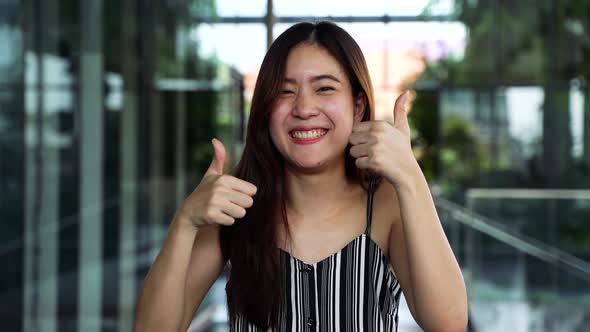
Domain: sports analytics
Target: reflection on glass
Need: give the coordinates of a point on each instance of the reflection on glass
(360, 8)
(514, 282)
(10, 57)
(247, 40)
(241, 8)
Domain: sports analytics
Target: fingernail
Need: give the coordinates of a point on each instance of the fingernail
(406, 93)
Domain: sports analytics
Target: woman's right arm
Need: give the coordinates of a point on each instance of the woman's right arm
(188, 263)
(190, 259)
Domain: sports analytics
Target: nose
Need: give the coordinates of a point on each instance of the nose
(304, 106)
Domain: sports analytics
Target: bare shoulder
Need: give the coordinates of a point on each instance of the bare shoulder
(386, 212)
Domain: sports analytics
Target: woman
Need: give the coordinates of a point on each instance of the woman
(327, 218)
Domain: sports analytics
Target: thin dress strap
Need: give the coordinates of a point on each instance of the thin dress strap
(370, 205)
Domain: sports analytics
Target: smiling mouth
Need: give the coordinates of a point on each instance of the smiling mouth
(308, 134)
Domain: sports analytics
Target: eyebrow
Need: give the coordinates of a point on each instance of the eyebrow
(317, 78)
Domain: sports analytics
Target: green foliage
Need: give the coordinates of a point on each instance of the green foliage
(205, 116)
(462, 157)
(513, 42)
(424, 120)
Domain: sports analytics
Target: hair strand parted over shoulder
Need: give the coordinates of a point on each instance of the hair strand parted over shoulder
(255, 289)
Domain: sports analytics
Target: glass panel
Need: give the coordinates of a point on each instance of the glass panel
(11, 60)
(248, 40)
(503, 128)
(552, 216)
(512, 283)
(239, 37)
(366, 8)
(241, 8)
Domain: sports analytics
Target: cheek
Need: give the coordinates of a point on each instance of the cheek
(275, 126)
(342, 117)
(273, 132)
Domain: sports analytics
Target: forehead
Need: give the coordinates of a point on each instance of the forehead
(309, 59)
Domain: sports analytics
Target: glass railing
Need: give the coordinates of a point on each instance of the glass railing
(515, 280)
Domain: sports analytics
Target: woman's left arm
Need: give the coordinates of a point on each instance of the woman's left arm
(418, 242)
(422, 257)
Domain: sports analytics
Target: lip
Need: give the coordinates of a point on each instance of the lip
(306, 129)
(301, 141)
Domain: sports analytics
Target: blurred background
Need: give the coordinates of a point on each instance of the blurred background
(107, 109)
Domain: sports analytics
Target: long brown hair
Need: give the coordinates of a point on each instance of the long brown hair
(255, 286)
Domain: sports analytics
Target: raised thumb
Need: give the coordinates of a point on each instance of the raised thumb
(216, 166)
(400, 111)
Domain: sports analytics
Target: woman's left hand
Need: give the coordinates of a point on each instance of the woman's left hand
(384, 148)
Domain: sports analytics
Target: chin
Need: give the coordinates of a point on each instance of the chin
(307, 166)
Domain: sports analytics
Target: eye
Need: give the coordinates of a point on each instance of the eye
(325, 89)
(286, 91)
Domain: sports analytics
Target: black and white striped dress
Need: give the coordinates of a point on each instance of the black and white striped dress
(354, 289)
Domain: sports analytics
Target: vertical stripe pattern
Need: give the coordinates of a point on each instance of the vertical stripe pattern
(354, 289)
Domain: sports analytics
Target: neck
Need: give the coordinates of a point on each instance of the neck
(317, 195)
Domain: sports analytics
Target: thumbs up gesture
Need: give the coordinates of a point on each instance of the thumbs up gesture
(383, 148)
(219, 198)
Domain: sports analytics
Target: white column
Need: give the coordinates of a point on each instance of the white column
(586, 130)
(128, 167)
(128, 212)
(181, 35)
(180, 152)
(157, 230)
(47, 239)
(32, 202)
(91, 167)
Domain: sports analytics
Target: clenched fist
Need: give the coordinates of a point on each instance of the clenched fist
(219, 198)
(386, 149)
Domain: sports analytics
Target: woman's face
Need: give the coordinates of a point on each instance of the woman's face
(313, 116)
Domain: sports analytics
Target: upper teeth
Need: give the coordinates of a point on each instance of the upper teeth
(309, 133)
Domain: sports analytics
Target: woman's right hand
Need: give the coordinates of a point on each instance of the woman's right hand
(219, 198)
